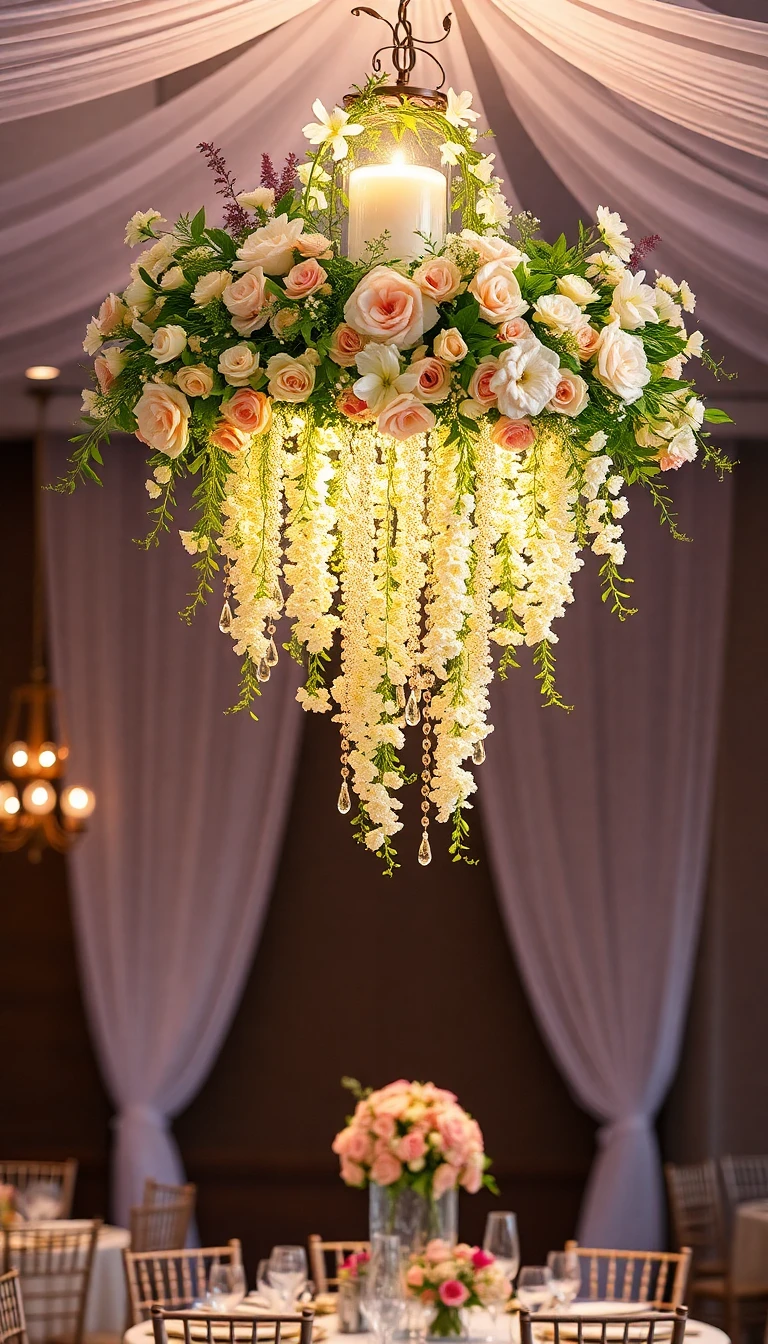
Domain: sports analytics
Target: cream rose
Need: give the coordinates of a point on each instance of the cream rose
(450, 346)
(168, 343)
(404, 417)
(248, 410)
(195, 380)
(516, 329)
(571, 394)
(577, 288)
(388, 306)
(497, 292)
(314, 245)
(290, 379)
(439, 278)
(210, 286)
(558, 312)
(490, 248)
(111, 315)
(162, 416)
(346, 344)
(246, 298)
(173, 278)
(434, 379)
(621, 364)
(229, 438)
(514, 435)
(238, 364)
(139, 295)
(305, 278)
(261, 198)
(480, 383)
(271, 247)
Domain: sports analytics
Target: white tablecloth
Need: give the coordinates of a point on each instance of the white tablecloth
(107, 1308)
(749, 1255)
(506, 1331)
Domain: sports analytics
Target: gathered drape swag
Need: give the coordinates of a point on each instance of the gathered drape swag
(171, 885)
(597, 827)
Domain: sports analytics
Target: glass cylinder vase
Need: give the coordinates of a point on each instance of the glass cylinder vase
(414, 1218)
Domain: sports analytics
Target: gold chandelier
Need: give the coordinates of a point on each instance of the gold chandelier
(36, 808)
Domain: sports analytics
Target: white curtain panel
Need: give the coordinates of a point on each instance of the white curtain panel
(597, 825)
(65, 221)
(172, 882)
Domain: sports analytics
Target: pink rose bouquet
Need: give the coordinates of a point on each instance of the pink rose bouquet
(449, 1279)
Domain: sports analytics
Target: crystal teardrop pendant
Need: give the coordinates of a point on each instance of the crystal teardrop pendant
(412, 712)
(344, 802)
(478, 752)
(225, 619)
(425, 853)
(263, 672)
(271, 656)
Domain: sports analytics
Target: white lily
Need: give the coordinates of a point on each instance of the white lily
(331, 128)
(450, 152)
(382, 379)
(483, 169)
(613, 232)
(458, 110)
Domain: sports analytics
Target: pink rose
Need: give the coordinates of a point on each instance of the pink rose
(305, 278)
(245, 298)
(351, 1173)
(439, 278)
(515, 435)
(386, 1169)
(340, 1144)
(434, 379)
(354, 408)
(384, 1126)
(479, 383)
(513, 330)
(388, 306)
(587, 339)
(359, 1146)
(481, 1258)
(453, 1293)
(103, 373)
(472, 1175)
(415, 1277)
(248, 410)
(228, 438)
(497, 292)
(404, 417)
(346, 343)
(162, 416)
(111, 314)
(445, 1178)
(571, 395)
(314, 245)
(463, 1251)
(436, 1250)
(412, 1146)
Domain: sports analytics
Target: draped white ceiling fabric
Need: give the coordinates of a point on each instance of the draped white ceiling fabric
(59, 52)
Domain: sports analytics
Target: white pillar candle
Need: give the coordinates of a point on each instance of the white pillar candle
(406, 199)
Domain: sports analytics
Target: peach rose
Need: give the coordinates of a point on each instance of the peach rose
(450, 346)
(434, 379)
(384, 1126)
(271, 247)
(111, 314)
(388, 306)
(304, 278)
(497, 292)
(195, 380)
(386, 1169)
(490, 248)
(571, 395)
(290, 379)
(404, 417)
(415, 1276)
(515, 435)
(351, 1172)
(104, 374)
(445, 1177)
(314, 245)
(162, 416)
(438, 278)
(248, 410)
(246, 298)
(228, 438)
(108, 365)
(346, 343)
(238, 364)
(516, 329)
(472, 1175)
(587, 339)
(359, 1146)
(479, 384)
(412, 1146)
(353, 407)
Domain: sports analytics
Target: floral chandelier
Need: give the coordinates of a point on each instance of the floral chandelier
(408, 416)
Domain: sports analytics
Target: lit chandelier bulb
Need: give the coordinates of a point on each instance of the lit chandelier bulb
(39, 797)
(78, 802)
(9, 799)
(47, 755)
(17, 755)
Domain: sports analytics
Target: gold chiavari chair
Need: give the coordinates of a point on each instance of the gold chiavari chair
(61, 1174)
(744, 1178)
(657, 1277)
(196, 1327)
(172, 1279)
(319, 1250)
(654, 1326)
(54, 1266)
(160, 1227)
(155, 1192)
(12, 1323)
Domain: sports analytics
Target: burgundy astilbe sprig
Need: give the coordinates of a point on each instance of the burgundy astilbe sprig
(269, 177)
(285, 182)
(642, 250)
(236, 219)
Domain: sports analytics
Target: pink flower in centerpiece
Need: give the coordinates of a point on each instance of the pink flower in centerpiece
(346, 343)
(436, 1250)
(445, 1178)
(428, 1297)
(472, 1175)
(248, 410)
(386, 1169)
(462, 1251)
(404, 417)
(384, 1126)
(230, 439)
(351, 1172)
(412, 1146)
(515, 435)
(304, 279)
(415, 1277)
(388, 306)
(453, 1293)
(481, 1258)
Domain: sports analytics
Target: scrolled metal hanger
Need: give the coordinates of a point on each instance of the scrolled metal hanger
(405, 48)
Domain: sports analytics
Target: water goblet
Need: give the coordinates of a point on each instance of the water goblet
(566, 1276)
(288, 1273)
(383, 1295)
(502, 1242)
(534, 1287)
(226, 1287)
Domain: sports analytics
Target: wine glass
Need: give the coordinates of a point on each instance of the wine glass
(226, 1286)
(288, 1273)
(566, 1276)
(383, 1294)
(534, 1287)
(501, 1241)
(40, 1201)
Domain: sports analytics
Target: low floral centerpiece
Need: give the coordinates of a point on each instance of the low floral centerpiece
(448, 1280)
(402, 441)
(413, 1146)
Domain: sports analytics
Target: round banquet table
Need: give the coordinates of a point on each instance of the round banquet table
(749, 1255)
(107, 1308)
(505, 1330)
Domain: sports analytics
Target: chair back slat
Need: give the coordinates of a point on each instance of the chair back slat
(657, 1277)
(197, 1323)
(172, 1279)
(163, 1226)
(54, 1267)
(745, 1178)
(62, 1174)
(157, 1193)
(564, 1327)
(696, 1211)
(12, 1323)
(319, 1253)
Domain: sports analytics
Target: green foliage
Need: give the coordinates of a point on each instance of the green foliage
(544, 660)
(250, 688)
(207, 497)
(459, 848)
(612, 592)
